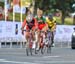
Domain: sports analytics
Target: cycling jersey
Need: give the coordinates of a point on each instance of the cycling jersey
(41, 19)
(51, 24)
(30, 25)
(41, 22)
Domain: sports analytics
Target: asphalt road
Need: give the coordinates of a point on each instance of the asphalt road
(18, 56)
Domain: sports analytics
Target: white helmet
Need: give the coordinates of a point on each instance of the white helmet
(29, 18)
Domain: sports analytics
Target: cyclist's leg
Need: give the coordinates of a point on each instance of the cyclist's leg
(33, 39)
(45, 33)
(49, 42)
(38, 40)
(52, 38)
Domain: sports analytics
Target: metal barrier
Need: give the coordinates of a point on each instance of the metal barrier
(21, 40)
(64, 43)
(21, 43)
(11, 40)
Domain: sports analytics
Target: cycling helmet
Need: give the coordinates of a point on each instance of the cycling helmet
(29, 18)
(50, 16)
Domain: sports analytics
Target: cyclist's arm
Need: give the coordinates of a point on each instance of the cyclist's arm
(23, 25)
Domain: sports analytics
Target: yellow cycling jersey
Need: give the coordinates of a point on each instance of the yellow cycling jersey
(51, 24)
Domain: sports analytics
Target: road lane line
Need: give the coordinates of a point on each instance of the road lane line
(54, 62)
(51, 56)
(2, 59)
(15, 62)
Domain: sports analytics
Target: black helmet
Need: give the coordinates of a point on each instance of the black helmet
(50, 16)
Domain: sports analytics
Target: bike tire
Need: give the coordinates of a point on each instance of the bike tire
(27, 52)
(31, 51)
(42, 51)
(49, 49)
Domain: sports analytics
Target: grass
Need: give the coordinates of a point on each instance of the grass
(68, 20)
(17, 17)
(10, 17)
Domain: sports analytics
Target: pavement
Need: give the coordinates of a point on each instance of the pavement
(58, 55)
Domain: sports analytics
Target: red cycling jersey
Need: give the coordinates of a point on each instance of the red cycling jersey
(30, 25)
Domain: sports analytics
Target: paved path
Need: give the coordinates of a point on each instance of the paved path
(18, 56)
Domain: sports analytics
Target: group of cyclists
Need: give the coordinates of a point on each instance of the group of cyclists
(36, 25)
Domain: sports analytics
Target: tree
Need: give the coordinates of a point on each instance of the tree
(2, 4)
(74, 20)
(63, 5)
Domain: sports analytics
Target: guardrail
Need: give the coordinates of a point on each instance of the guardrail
(21, 44)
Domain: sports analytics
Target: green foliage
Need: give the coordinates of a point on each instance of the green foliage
(55, 4)
(17, 17)
(2, 4)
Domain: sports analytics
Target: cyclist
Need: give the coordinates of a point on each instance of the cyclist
(42, 25)
(51, 21)
(31, 25)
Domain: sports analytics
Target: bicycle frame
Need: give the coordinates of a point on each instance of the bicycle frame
(49, 35)
(29, 43)
(41, 39)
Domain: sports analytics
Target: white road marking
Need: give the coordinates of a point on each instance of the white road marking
(62, 62)
(55, 62)
(51, 56)
(15, 62)
(2, 59)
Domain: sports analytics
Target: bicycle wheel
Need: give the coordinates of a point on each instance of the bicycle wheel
(31, 51)
(27, 48)
(49, 42)
(42, 48)
(36, 48)
(49, 48)
(27, 52)
(30, 47)
(42, 51)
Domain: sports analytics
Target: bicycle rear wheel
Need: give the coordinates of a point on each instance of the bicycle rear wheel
(43, 48)
(27, 52)
(30, 47)
(31, 51)
(49, 42)
(27, 48)
(49, 49)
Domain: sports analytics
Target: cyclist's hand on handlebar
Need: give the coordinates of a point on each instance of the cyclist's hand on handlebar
(22, 32)
(21, 28)
(36, 29)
